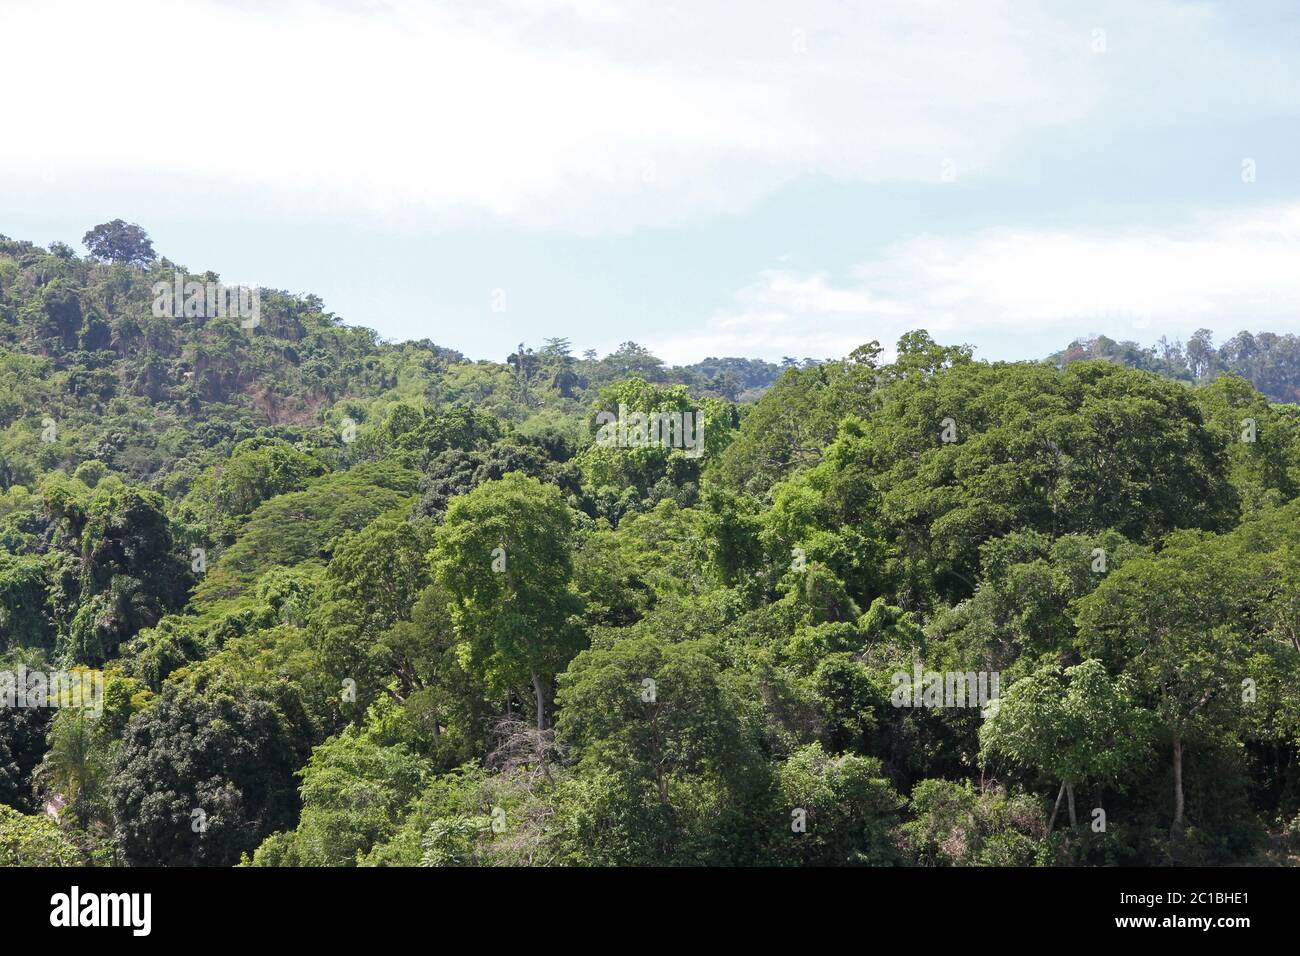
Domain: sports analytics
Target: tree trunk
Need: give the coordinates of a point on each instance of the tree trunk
(1056, 808)
(1178, 782)
(1069, 795)
(657, 748)
(541, 701)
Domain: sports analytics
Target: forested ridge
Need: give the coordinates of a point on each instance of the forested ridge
(354, 602)
(1271, 362)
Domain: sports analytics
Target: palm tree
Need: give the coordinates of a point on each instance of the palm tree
(75, 767)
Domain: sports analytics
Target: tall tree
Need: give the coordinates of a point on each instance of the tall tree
(119, 241)
(1087, 730)
(504, 555)
(1176, 622)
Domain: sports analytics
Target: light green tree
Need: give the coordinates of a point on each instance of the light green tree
(1174, 622)
(1076, 726)
(504, 555)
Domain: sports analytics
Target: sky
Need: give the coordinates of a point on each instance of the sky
(705, 178)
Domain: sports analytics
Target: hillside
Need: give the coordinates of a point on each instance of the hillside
(351, 602)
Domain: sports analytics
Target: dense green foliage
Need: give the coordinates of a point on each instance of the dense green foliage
(361, 603)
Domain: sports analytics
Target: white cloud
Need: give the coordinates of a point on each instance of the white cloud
(586, 114)
(1223, 272)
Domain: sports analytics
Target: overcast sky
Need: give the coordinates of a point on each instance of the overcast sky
(759, 179)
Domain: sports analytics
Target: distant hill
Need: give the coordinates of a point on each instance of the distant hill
(1269, 361)
(81, 346)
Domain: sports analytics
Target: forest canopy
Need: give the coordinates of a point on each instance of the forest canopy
(345, 602)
